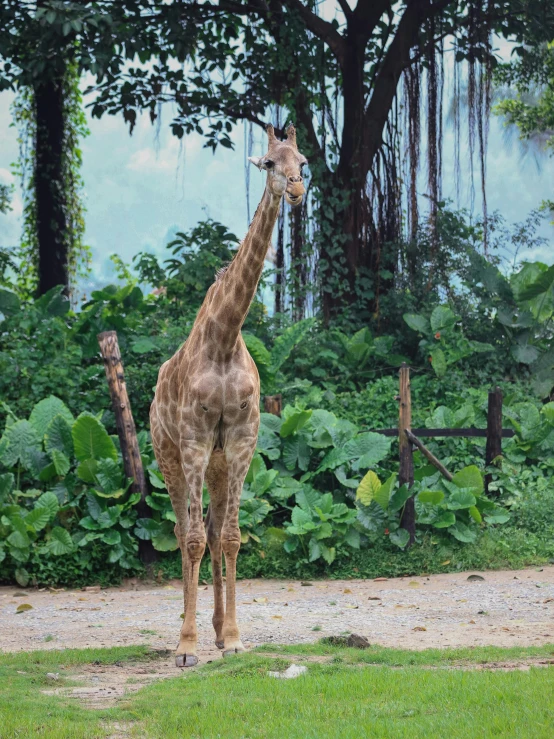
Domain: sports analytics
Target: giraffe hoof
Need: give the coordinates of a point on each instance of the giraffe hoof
(230, 652)
(186, 660)
(220, 644)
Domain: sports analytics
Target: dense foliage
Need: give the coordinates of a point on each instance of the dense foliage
(322, 489)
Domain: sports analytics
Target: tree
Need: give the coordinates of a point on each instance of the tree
(337, 78)
(40, 66)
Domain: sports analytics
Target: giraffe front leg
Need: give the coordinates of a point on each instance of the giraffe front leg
(194, 461)
(239, 454)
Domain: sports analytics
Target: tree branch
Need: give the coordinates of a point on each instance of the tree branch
(346, 9)
(396, 60)
(320, 28)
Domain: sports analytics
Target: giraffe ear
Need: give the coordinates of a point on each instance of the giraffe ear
(256, 161)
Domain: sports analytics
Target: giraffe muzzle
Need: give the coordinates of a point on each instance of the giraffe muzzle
(295, 190)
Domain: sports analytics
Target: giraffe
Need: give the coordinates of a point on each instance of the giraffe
(205, 414)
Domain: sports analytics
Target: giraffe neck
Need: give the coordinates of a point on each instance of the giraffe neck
(234, 291)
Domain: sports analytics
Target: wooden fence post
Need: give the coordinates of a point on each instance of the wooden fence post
(272, 404)
(494, 431)
(132, 462)
(406, 472)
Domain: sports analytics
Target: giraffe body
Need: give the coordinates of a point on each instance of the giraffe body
(206, 411)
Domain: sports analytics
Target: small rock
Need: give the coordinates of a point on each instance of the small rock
(475, 578)
(306, 584)
(53, 675)
(374, 597)
(419, 628)
(291, 672)
(357, 641)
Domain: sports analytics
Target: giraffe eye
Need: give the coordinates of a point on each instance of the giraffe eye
(243, 405)
(268, 164)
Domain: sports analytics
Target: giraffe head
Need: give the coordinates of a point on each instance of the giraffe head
(283, 163)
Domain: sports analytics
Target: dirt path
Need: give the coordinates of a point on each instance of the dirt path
(505, 609)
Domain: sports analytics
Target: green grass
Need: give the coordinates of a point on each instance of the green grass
(377, 692)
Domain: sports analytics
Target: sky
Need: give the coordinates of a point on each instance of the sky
(140, 189)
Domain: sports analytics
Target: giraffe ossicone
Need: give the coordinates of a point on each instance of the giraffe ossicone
(205, 414)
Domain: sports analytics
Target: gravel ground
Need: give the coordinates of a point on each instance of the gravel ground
(513, 608)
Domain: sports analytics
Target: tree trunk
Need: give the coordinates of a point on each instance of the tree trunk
(49, 184)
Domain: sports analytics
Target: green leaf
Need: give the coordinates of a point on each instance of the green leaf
(400, 537)
(469, 477)
(271, 422)
(109, 475)
(382, 496)
(334, 458)
(300, 517)
(296, 453)
(434, 497)
(60, 542)
(368, 449)
(352, 538)
(307, 499)
(295, 422)
(45, 411)
(461, 499)
(399, 498)
(9, 302)
(61, 462)
(462, 532)
(442, 318)
(328, 553)
(58, 436)
(417, 322)
(156, 479)
(260, 355)
(525, 353)
(86, 471)
(91, 440)
(49, 502)
(314, 550)
(446, 519)
(16, 442)
(284, 344)
(7, 482)
(368, 488)
(143, 345)
(146, 528)
(38, 518)
(475, 514)
(438, 362)
(497, 515)
(111, 537)
(22, 576)
(547, 411)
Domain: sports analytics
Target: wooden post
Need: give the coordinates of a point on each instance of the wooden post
(406, 472)
(429, 455)
(494, 431)
(272, 404)
(132, 462)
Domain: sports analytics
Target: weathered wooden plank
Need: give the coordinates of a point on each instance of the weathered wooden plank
(429, 455)
(494, 431)
(506, 433)
(273, 404)
(406, 471)
(126, 430)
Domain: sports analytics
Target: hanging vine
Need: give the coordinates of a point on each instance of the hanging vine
(72, 186)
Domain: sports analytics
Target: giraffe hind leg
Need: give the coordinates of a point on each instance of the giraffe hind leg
(169, 462)
(217, 484)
